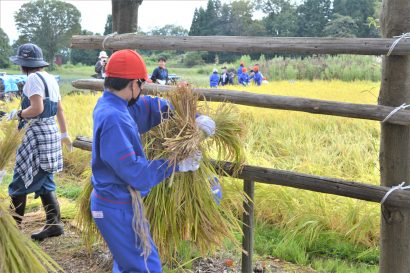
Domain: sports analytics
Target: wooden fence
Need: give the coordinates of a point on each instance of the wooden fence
(395, 243)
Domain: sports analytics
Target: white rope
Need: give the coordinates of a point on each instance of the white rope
(395, 110)
(398, 187)
(106, 37)
(398, 39)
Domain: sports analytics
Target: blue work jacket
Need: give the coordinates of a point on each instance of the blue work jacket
(214, 79)
(118, 158)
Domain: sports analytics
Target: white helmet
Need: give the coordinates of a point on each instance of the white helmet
(215, 70)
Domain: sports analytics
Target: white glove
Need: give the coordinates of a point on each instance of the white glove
(2, 174)
(206, 124)
(66, 140)
(191, 163)
(12, 115)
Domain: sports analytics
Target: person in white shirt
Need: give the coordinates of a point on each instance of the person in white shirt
(39, 156)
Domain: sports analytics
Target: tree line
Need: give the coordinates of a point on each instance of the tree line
(283, 18)
(51, 23)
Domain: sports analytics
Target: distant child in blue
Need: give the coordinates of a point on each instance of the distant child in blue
(239, 71)
(160, 74)
(244, 78)
(120, 168)
(257, 76)
(214, 79)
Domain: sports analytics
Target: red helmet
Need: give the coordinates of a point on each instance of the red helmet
(256, 68)
(126, 64)
(244, 70)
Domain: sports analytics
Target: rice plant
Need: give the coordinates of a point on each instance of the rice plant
(307, 143)
(17, 252)
(183, 207)
(10, 139)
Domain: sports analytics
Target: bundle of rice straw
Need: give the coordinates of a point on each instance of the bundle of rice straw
(84, 220)
(10, 140)
(183, 207)
(17, 252)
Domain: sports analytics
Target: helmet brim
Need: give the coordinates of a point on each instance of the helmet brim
(28, 62)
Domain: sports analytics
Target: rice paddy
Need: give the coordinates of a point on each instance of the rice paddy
(315, 144)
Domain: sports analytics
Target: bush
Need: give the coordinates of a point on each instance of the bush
(193, 58)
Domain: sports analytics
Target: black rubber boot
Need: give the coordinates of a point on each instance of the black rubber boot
(53, 226)
(19, 206)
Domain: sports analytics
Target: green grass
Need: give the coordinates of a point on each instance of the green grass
(329, 252)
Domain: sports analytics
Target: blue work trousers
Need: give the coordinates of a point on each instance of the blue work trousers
(114, 220)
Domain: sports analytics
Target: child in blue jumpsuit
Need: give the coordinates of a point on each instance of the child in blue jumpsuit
(118, 159)
(244, 78)
(257, 76)
(240, 71)
(214, 79)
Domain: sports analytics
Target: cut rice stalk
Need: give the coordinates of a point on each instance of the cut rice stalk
(84, 220)
(18, 253)
(187, 211)
(9, 141)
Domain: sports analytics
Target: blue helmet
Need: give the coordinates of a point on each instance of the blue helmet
(29, 55)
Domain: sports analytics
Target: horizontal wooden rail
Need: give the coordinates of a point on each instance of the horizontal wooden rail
(362, 46)
(352, 110)
(367, 192)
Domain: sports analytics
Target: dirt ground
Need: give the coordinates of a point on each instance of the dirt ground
(68, 251)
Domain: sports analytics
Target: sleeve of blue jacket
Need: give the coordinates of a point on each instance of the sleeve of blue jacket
(149, 111)
(133, 168)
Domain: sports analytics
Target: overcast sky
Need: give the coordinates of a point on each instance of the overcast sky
(94, 13)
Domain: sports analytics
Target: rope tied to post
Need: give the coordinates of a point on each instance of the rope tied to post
(398, 39)
(395, 110)
(106, 37)
(394, 188)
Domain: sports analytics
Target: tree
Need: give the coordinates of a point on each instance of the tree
(341, 26)
(359, 10)
(198, 23)
(211, 18)
(125, 15)
(240, 18)
(108, 25)
(84, 56)
(313, 15)
(169, 30)
(281, 19)
(5, 50)
(49, 24)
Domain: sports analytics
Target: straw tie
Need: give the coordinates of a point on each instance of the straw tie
(106, 37)
(398, 39)
(395, 110)
(394, 188)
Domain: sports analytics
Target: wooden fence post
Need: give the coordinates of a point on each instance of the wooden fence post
(248, 220)
(395, 142)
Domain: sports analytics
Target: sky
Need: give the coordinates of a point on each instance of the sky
(94, 13)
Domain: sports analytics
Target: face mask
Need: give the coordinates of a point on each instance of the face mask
(133, 101)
